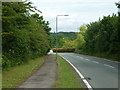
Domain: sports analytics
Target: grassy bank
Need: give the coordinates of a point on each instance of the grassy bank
(66, 76)
(12, 77)
(113, 57)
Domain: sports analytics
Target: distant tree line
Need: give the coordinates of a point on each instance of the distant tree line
(24, 35)
(64, 39)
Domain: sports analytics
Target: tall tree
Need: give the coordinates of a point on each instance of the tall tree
(23, 35)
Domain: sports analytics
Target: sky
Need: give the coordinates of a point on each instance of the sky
(80, 12)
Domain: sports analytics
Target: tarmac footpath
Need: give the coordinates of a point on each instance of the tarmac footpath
(45, 77)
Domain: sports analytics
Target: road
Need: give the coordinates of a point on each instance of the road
(102, 72)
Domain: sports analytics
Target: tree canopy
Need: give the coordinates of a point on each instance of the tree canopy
(102, 36)
(24, 35)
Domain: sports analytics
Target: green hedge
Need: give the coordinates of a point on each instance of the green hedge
(63, 49)
(24, 35)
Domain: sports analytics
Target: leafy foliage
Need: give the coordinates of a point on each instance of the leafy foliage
(69, 44)
(63, 38)
(80, 38)
(24, 35)
(102, 37)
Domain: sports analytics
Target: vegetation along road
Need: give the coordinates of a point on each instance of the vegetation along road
(99, 72)
(27, 37)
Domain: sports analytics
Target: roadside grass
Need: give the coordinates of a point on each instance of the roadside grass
(66, 76)
(0, 80)
(12, 77)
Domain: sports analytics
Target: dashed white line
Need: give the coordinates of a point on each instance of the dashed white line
(81, 57)
(95, 62)
(87, 59)
(109, 66)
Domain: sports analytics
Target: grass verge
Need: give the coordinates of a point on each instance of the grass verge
(66, 76)
(12, 77)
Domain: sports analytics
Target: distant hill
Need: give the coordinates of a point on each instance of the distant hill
(69, 35)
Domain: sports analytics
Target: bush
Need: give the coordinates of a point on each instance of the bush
(63, 49)
(24, 36)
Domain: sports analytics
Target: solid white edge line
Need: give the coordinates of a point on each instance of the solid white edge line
(84, 80)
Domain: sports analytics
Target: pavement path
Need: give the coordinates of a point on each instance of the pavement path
(45, 77)
(102, 73)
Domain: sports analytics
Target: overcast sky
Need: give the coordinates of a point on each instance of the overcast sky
(80, 12)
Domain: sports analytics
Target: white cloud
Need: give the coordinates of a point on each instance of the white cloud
(80, 11)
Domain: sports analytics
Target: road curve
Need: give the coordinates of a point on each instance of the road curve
(101, 73)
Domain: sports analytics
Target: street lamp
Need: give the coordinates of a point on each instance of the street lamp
(57, 31)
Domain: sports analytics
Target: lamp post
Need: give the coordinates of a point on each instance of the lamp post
(57, 31)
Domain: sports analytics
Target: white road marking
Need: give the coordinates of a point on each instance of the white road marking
(81, 57)
(87, 59)
(84, 80)
(95, 62)
(109, 66)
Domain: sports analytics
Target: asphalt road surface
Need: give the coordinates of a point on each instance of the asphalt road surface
(102, 73)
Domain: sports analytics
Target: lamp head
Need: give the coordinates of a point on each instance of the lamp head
(66, 15)
(63, 15)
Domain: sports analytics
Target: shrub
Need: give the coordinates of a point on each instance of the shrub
(63, 49)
